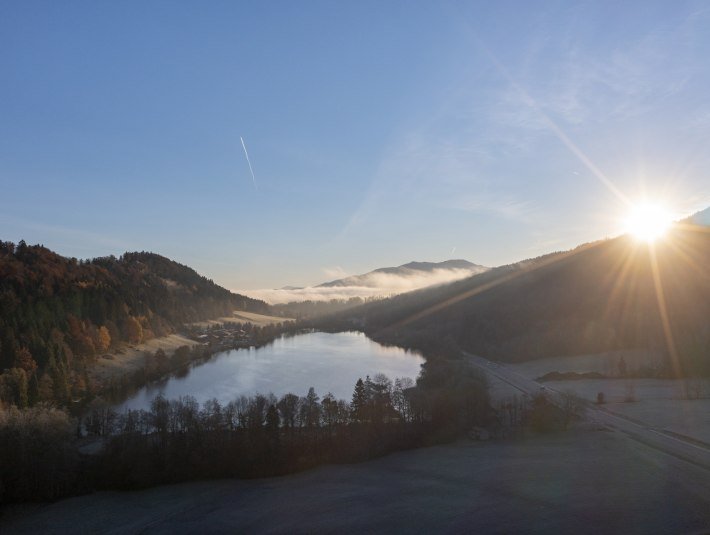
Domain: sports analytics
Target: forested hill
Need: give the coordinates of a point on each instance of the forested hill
(613, 294)
(61, 312)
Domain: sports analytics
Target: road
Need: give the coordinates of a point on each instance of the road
(689, 450)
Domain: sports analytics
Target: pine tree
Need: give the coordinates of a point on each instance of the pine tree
(359, 402)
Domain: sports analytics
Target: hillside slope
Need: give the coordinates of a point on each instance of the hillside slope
(59, 313)
(614, 294)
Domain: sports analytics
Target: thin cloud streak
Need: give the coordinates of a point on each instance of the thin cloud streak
(253, 179)
(552, 126)
(508, 208)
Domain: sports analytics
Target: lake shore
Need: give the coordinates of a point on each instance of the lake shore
(128, 359)
(326, 361)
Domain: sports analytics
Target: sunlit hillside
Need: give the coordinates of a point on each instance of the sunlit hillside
(63, 312)
(615, 294)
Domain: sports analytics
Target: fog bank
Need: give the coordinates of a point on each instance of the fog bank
(369, 285)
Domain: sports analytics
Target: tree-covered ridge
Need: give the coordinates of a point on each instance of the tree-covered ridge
(57, 314)
(610, 295)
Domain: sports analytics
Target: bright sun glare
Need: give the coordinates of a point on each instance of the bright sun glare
(648, 221)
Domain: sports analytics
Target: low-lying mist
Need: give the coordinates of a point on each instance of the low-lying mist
(369, 285)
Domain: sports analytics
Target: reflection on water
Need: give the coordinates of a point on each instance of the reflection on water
(328, 362)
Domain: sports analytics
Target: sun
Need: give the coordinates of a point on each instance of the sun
(648, 221)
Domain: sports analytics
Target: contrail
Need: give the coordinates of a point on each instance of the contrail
(249, 162)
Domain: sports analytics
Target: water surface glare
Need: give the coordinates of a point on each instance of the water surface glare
(328, 362)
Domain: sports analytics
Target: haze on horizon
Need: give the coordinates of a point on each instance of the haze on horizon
(378, 134)
(375, 284)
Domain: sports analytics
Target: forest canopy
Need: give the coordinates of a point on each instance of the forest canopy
(58, 314)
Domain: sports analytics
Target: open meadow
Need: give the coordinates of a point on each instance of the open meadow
(582, 481)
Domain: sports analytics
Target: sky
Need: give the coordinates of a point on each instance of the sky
(378, 132)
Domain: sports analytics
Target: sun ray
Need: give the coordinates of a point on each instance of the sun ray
(485, 287)
(663, 311)
(620, 277)
(686, 254)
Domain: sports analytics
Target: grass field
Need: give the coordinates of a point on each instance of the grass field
(130, 358)
(582, 481)
(658, 403)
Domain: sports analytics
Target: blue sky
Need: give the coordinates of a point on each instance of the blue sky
(379, 132)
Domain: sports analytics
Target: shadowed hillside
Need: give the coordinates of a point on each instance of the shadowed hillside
(614, 294)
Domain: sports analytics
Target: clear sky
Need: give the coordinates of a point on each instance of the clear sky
(379, 132)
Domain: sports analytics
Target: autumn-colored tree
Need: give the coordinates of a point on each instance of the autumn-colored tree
(58, 307)
(104, 339)
(147, 332)
(80, 339)
(114, 333)
(24, 360)
(134, 331)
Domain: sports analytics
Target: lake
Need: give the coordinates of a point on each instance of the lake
(326, 361)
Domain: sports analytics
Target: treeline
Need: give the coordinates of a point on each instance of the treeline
(312, 309)
(257, 436)
(38, 458)
(58, 314)
(262, 436)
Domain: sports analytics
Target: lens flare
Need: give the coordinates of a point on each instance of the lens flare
(648, 221)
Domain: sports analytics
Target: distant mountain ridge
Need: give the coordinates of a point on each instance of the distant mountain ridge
(700, 218)
(412, 269)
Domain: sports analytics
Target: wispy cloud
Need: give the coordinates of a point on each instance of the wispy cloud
(509, 208)
(583, 85)
(425, 166)
(563, 100)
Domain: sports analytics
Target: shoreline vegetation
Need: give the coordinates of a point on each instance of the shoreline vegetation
(258, 436)
(206, 339)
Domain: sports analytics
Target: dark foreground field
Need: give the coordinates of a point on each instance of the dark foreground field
(583, 481)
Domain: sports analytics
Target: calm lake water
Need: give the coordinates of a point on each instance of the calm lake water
(328, 362)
